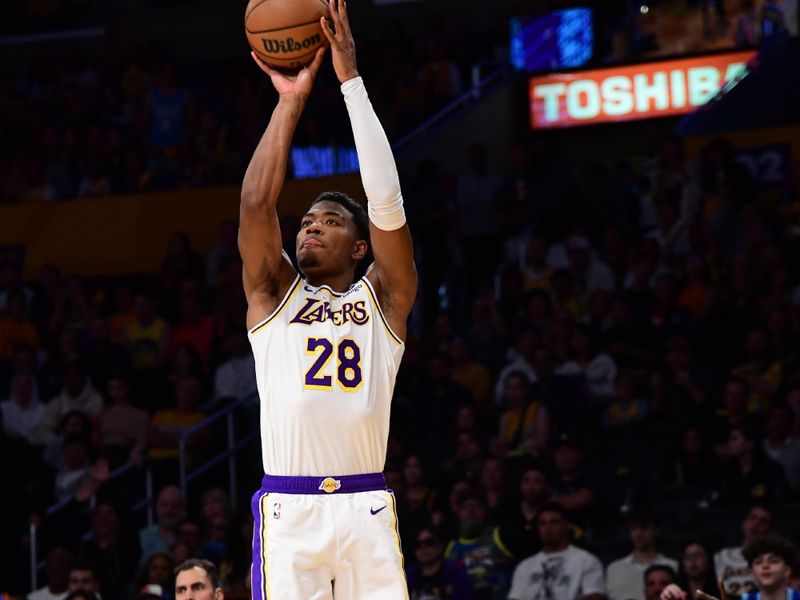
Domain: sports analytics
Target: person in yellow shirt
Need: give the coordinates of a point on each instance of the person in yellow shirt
(525, 424)
(468, 372)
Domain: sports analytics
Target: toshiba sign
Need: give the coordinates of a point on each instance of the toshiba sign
(657, 89)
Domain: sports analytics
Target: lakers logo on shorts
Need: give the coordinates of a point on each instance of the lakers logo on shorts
(330, 485)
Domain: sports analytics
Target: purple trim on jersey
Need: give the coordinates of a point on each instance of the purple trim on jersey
(347, 484)
(257, 568)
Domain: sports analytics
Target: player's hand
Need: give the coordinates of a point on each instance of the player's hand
(673, 592)
(297, 84)
(343, 47)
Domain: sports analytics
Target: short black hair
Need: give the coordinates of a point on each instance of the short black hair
(659, 567)
(360, 218)
(209, 567)
(552, 507)
(643, 518)
(771, 544)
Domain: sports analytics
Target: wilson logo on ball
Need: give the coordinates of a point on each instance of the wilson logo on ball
(289, 45)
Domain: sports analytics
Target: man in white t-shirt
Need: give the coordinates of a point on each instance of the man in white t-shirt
(625, 577)
(56, 568)
(730, 564)
(560, 571)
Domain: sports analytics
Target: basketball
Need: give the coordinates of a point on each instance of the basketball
(285, 34)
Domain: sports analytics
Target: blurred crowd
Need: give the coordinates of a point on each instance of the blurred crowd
(597, 349)
(120, 121)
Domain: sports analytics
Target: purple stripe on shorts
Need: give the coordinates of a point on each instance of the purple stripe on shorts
(344, 484)
(257, 572)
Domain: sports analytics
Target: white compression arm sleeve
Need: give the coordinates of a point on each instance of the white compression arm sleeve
(378, 170)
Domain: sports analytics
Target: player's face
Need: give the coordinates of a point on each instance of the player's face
(194, 584)
(770, 571)
(327, 242)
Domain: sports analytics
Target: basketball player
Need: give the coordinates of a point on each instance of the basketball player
(327, 350)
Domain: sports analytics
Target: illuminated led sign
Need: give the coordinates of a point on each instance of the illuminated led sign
(657, 89)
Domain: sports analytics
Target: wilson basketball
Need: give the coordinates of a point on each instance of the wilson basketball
(285, 34)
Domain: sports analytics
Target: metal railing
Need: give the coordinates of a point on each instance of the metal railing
(185, 476)
(227, 411)
(57, 507)
(468, 97)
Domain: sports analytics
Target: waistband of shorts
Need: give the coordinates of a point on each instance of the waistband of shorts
(343, 484)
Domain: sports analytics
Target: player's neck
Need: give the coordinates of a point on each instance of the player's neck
(338, 283)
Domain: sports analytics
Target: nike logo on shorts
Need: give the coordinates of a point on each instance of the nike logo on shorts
(374, 511)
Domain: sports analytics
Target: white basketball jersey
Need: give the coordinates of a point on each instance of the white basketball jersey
(326, 364)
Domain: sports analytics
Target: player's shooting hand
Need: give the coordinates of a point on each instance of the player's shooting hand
(340, 37)
(293, 84)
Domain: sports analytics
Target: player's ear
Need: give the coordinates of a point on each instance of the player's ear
(360, 249)
(219, 594)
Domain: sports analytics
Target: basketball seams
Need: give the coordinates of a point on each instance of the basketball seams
(268, 57)
(281, 28)
(252, 8)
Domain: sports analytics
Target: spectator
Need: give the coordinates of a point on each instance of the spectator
(197, 578)
(217, 514)
(696, 572)
(526, 345)
(83, 578)
(493, 488)
(730, 564)
(560, 570)
(225, 250)
(525, 424)
(194, 327)
(748, 475)
(158, 570)
(597, 368)
(122, 426)
(57, 567)
(77, 393)
(591, 273)
(111, 550)
(159, 537)
(16, 329)
(781, 446)
(167, 427)
(519, 521)
(22, 412)
(146, 336)
(770, 560)
(468, 372)
(677, 387)
(236, 376)
(480, 550)
(625, 407)
(420, 498)
(695, 468)
(234, 569)
(761, 370)
(188, 539)
(626, 577)
(76, 469)
(569, 485)
(103, 356)
(656, 580)
(434, 577)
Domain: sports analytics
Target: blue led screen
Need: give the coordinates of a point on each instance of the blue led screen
(557, 40)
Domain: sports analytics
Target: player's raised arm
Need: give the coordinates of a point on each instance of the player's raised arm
(267, 272)
(393, 274)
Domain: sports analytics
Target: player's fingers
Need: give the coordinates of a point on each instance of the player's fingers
(315, 64)
(261, 64)
(721, 587)
(343, 12)
(333, 8)
(326, 29)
